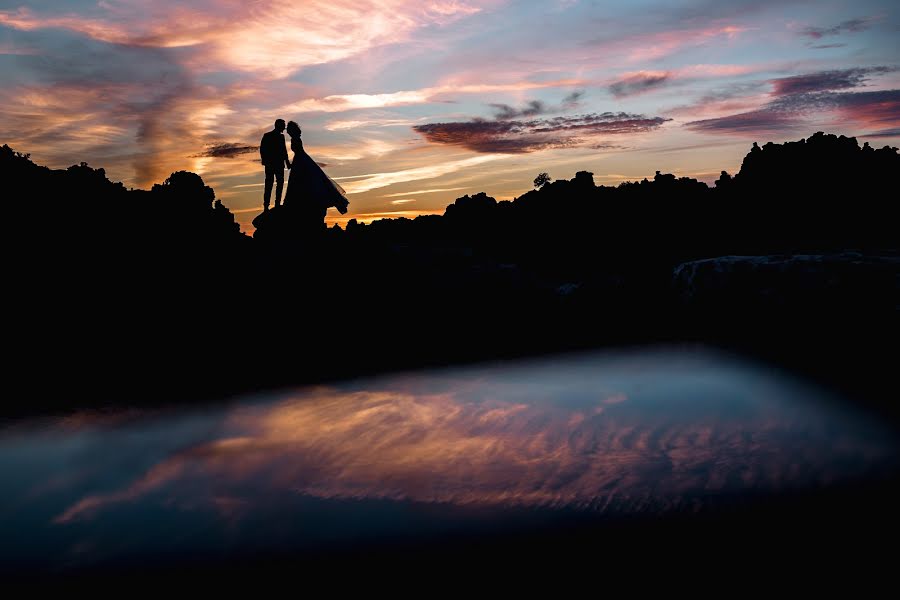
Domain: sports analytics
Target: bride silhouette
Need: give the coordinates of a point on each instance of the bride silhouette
(310, 191)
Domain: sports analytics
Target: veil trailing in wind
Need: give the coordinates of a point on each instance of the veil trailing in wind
(342, 204)
(309, 184)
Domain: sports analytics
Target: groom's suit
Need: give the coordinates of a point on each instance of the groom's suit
(274, 156)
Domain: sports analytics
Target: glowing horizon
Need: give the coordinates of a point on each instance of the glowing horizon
(413, 104)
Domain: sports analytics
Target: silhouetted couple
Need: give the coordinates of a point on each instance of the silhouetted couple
(310, 191)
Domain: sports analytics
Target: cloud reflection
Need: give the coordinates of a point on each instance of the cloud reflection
(467, 447)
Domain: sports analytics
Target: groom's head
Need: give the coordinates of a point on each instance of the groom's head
(279, 125)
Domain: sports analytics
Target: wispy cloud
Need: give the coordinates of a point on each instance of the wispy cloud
(533, 108)
(373, 181)
(420, 192)
(793, 100)
(227, 150)
(825, 80)
(344, 125)
(879, 110)
(638, 83)
(270, 39)
(515, 137)
(769, 121)
(656, 45)
(346, 102)
(848, 26)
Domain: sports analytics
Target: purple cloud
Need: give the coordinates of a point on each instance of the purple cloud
(825, 80)
(764, 121)
(793, 98)
(886, 133)
(532, 108)
(878, 110)
(517, 137)
(852, 26)
(573, 100)
(637, 84)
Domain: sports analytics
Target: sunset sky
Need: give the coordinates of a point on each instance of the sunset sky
(413, 103)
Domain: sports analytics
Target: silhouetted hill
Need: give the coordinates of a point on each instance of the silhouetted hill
(156, 295)
(77, 222)
(109, 291)
(817, 194)
(81, 200)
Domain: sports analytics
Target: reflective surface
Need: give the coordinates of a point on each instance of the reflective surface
(646, 433)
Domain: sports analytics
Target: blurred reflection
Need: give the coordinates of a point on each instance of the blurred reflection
(422, 455)
(560, 441)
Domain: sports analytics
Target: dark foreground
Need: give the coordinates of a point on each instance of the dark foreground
(795, 259)
(668, 458)
(139, 347)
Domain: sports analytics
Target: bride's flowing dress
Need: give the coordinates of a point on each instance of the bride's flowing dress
(309, 188)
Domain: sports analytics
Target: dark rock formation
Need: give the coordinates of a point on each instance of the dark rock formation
(806, 283)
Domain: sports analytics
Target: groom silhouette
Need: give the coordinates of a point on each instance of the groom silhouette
(274, 158)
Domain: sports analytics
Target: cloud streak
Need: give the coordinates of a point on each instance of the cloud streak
(639, 83)
(825, 80)
(420, 192)
(227, 150)
(517, 137)
(272, 40)
(533, 108)
(371, 181)
(346, 102)
(849, 26)
(655, 45)
(878, 109)
(794, 100)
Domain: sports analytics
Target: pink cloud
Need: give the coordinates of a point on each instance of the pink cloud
(638, 83)
(713, 71)
(877, 111)
(271, 40)
(826, 80)
(657, 45)
(517, 137)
